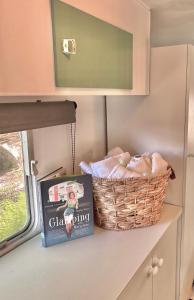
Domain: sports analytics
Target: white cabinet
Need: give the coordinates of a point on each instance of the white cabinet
(164, 284)
(156, 278)
(105, 266)
(164, 121)
(26, 52)
(140, 287)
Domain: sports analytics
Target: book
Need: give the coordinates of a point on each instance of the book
(67, 208)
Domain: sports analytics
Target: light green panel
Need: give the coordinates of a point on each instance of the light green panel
(104, 52)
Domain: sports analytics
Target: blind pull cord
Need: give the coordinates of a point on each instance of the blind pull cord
(73, 145)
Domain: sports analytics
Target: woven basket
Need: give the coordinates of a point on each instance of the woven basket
(129, 203)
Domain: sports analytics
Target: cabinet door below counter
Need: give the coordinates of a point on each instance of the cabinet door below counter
(156, 278)
(164, 284)
(140, 287)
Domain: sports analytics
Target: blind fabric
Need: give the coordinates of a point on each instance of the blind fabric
(33, 115)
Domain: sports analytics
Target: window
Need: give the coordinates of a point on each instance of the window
(19, 213)
(14, 198)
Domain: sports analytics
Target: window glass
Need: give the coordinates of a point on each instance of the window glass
(14, 213)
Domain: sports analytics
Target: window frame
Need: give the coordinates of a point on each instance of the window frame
(32, 228)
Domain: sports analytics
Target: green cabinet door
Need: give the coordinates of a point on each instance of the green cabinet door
(104, 52)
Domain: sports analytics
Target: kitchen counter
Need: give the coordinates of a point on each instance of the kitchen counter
(95, 267)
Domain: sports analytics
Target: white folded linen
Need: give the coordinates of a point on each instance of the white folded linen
(85, 167)
(123, 158)
(147, 158)
(104, 167)
(122, 165)
(115, 151)
(159, 165)
(120, 172)
(140, 164)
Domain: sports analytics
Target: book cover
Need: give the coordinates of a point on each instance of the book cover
(67, 208)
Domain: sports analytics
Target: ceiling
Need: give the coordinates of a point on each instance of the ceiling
(172, 21)
(177, 5)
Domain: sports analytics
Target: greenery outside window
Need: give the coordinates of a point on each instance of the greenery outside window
(16, 211)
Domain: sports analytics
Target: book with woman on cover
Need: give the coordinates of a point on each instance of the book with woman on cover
(67, 208)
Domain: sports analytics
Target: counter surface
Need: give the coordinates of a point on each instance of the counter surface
(96, 267)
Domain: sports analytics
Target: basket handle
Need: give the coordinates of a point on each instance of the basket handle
(172, 174)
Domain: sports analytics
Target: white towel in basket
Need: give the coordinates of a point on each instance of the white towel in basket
(120, 172)
(104, 167)
(123, 159)
(115, 151)
(85, 167)
(140, 164)
(123, 166)
(159, 165)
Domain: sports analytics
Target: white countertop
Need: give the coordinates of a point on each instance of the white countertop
(96, 267)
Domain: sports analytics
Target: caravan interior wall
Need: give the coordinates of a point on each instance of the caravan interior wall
(155, 122)
(52, 146)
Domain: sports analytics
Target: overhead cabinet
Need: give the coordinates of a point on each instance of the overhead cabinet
(110, 42)
(90, 53)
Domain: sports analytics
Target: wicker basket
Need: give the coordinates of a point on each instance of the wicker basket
(129, 203)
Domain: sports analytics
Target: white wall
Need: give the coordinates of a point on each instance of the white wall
(155, 122)
(172, 22)
(52, 146)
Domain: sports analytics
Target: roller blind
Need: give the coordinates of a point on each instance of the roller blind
(32, 115)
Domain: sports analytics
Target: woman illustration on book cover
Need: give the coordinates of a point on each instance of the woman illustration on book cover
(70, 206)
